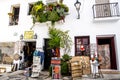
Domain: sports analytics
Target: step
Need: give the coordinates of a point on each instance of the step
(110, 71)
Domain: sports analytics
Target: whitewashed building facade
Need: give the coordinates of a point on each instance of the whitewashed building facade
(98, 24)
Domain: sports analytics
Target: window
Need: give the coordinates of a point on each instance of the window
(82, 42)
(30, 8)
(14, 17)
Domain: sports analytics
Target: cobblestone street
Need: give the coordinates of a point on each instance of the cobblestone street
(44, 75)
(18, 75)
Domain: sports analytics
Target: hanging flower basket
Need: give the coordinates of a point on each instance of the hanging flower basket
(52, 12)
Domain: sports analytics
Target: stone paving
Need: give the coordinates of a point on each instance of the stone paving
(44, 75)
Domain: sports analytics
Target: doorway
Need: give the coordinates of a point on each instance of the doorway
(48, 54)
(28, 50)
(106, 49)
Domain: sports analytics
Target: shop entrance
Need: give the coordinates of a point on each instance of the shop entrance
(28, 50)
(106, 49)
(48, 55)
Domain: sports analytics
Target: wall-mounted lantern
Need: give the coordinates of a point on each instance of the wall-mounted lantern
(21, 37)
(77, 6)
(35, 36)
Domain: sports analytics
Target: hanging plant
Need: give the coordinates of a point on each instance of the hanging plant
(37, 12)
(53, 16)
(51, 12)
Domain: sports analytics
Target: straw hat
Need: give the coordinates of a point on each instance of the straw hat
(16, 56)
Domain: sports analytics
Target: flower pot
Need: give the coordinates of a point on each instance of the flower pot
(57, 51)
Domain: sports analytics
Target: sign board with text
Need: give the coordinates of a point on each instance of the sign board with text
(28, 34)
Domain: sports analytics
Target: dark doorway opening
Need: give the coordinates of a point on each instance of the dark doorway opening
(28, 50)
(48, 55)
(104, 42)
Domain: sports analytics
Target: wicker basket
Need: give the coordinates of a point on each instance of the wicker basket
(7, 60)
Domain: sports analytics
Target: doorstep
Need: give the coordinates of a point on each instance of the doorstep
(110, 71)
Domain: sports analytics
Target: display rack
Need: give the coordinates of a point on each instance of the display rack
(36, 67)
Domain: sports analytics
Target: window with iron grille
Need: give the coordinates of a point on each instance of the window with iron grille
(84, 42)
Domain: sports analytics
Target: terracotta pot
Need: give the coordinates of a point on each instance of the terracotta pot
(57, 51)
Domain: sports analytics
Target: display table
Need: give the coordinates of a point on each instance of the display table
(36, 67)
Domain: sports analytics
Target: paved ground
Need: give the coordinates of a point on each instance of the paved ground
(44, 75)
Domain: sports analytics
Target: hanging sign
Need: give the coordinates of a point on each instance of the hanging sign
(55, 61)
(28, 34)
(56, 68)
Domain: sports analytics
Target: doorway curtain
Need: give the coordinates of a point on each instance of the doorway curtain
(104, 53)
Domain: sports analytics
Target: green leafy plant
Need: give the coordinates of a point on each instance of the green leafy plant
(37, 11)
(59, 39)
(50, 71)
(42, 13)
(66, 57)
(64, 64)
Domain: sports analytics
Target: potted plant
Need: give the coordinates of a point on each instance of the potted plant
(65, 68)
(65, 65)
(59, 39)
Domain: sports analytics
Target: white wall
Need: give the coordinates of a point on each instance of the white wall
(77, 27)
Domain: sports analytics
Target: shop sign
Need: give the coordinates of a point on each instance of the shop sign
(28, 34)
(56, 68)
(55, 61)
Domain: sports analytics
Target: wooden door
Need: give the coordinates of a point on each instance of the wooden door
(104, 53)
(103, 43)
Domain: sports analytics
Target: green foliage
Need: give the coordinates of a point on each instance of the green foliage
(51, 12)
(59, 39)
(54, 41)
(66, 57)
(66, 9)
(64, 64)
(38, 7)
(53, 16)
(64, 68)
(50, 71)
(42, 18)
